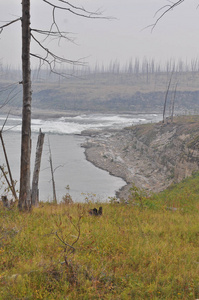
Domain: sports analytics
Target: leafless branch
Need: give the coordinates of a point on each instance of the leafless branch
(60, 166)
(5, 122)
(78, 11)
(166, 9)
(8, 24)
(19, 124)
(8, 98)
(55, 34)
(66, 244)
(77, 227)
(6, 178)
(12, 184)
(51, 59)
(75, 7)
(7, 88)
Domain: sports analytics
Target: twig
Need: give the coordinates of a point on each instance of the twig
(6, 178)
(84, 14)
(8, 24)
(7, 162)
(168, 8)
(66, 244)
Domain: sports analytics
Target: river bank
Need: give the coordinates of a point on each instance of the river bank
(116, 153)
(152, 156)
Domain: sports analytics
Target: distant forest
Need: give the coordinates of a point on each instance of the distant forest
(137, 86)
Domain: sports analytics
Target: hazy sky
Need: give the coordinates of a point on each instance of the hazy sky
(175, 36)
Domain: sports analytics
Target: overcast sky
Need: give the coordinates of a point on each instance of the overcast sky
(123, 38)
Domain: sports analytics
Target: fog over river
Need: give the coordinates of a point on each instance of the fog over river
(69, 162)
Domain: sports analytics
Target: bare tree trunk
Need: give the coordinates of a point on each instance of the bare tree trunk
(25, 195)
(173, 103)
(165, 100)
(52, 174)
(35, 180)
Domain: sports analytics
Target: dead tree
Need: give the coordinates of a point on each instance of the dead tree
(35, 180)
(25, 194)
(52, 173)
(173, 103)
(49, 58)
(162, 12)
(165, 100)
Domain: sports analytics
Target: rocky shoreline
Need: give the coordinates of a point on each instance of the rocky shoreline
(100, 154)
(152, 156)
(109, 151)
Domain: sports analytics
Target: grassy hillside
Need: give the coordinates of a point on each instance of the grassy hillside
(147, 249)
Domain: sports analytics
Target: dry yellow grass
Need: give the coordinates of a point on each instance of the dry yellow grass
(143, 251)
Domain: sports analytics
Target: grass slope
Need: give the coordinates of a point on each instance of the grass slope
(145, 250)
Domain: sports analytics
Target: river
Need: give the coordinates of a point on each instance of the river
(70, 165)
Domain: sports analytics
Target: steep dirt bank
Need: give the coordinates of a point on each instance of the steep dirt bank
(153, 156)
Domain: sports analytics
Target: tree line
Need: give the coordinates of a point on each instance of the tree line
(135, 66)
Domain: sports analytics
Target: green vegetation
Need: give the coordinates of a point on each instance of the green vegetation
(147, 249)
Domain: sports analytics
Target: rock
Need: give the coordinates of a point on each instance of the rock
(157, 155)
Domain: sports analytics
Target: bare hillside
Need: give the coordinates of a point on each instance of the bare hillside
(120, 92)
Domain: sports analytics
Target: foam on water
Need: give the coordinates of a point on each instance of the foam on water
(75, 125)
(68, 157)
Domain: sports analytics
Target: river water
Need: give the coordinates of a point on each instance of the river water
(69, 162)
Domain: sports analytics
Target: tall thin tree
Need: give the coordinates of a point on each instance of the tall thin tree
(25, 194)
(51, 59)
(165, 99)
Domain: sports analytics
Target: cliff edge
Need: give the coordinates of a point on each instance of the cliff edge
(152, 156)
